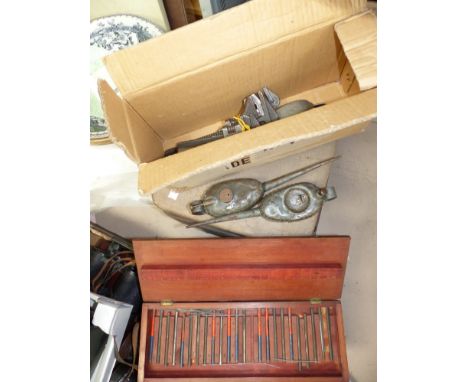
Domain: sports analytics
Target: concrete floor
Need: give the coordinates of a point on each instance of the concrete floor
(117, 206)
(354, 213)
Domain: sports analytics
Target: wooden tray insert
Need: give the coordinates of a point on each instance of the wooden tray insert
(281, 339)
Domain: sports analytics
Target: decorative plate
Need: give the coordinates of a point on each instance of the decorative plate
(107, 35)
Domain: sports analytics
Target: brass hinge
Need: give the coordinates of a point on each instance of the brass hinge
(166, 303)
(315, 301)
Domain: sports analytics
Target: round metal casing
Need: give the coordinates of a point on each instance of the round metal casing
(229, 197)
(296, 202)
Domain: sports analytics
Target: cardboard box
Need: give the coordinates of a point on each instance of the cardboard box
(184, 84)
(177, 199)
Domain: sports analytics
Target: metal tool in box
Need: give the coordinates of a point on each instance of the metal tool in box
(243, 198)
(259, 108)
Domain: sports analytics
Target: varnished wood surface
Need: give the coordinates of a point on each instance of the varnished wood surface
(247, 269)
(325, 371)
(342, 341)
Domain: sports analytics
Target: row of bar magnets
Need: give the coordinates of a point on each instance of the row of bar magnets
(176, 329)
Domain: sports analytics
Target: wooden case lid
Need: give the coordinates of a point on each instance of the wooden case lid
(247, 269)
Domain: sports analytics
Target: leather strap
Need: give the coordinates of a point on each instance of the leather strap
(135, 332)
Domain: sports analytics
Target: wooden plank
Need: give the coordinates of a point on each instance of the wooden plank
(241, 269)
(342, 341)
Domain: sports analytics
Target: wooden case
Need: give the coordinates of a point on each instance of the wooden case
(269, 307)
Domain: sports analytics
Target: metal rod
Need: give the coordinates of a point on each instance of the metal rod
(314, 336)
(295, 174)
(322, 344)
(243, 336)
(174, 338)
(158, 351)
(275, 335)
(229, 336)
(299, 350)
(283, 347)
(329, 334)
(213, 337)
(291, 340)
(205, 339)
(151, 342)
(306, 339)
(197, 340)
(237, 336)
(267, 335)
(259, 327)
(189, 352)
(166, 348)
(221, 338)
(182, 338)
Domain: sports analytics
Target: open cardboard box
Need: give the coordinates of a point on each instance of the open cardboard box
(184, 84)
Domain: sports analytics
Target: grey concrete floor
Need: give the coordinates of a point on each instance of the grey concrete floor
(354, 213)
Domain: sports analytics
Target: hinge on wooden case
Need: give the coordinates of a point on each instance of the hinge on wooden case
(166, 303)
(315, 301)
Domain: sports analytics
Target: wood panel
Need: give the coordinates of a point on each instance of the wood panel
(249, 269)
(328, 368)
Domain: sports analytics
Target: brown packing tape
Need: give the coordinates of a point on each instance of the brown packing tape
(358, 36)
(324, 124)
(241, 28)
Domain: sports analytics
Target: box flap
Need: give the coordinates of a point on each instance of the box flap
(299, 132)
(358, 36)
(239, 29)
(115, 118)
(247, 269)
(126, 127)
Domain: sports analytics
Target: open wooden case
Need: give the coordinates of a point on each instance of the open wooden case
(253, 309)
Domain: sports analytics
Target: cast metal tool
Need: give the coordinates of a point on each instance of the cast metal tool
(151, 340)
(182, 341)
(322, 343)
(314, 337)
(244, 323)
(329, 333)
(197, 340)
(275, 334)
(175, 338)
(267, 335)
(237, 336)
(283, 346)
(158, 351)
(291, 342)
(259, 108)
(205, 339)
(221, 338)
(228, 336)
(299, 350)
(189, 350)
(213, 337)
(259, 335)
(166, 343)
(306, 339)
(243, 198)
